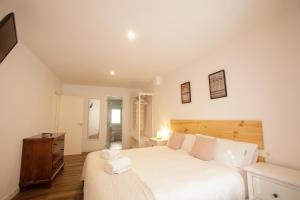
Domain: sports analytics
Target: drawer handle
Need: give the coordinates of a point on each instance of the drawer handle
(275, 195)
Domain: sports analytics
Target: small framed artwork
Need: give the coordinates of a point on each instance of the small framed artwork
(217, 85)
(186, 93)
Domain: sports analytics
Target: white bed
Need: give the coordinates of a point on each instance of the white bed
(161, 173)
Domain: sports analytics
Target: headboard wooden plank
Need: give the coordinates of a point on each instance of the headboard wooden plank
(238, 130)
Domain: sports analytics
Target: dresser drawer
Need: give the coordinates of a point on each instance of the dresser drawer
(267, 189)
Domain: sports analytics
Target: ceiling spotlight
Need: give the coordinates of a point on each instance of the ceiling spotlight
(112, 73)
(131, 35)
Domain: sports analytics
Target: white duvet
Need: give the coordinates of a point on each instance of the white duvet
(160, 173)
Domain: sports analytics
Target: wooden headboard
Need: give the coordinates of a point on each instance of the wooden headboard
(238, 130)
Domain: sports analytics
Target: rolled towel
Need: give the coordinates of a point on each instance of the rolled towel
(117, 166)
(108, 154)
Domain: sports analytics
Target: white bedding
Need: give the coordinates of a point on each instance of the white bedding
(161, 173)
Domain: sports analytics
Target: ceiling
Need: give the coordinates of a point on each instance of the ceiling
(83, 40)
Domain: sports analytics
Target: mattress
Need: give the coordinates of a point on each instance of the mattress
(160, 173)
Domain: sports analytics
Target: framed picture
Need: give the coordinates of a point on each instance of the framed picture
(186, 93)
(217, 85)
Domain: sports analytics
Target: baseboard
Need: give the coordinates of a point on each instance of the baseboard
(11, 195)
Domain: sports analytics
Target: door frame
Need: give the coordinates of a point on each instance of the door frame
(108, 116)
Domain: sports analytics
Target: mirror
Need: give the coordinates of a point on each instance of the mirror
(94, 119)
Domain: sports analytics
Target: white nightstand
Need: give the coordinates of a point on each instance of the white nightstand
(266, 181)
(155, 141)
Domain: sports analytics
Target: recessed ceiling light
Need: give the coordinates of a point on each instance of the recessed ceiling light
(131, 35)
(112, 73)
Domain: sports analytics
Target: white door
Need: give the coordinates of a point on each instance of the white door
(70, 121)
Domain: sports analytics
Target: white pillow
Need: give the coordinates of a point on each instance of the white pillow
(233, 153)
(188, 142)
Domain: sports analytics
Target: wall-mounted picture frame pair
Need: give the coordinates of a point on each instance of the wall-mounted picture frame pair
(217, 87)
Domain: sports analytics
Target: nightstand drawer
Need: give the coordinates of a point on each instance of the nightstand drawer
(267, 189)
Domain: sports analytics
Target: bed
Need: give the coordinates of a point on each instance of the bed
(161, 173)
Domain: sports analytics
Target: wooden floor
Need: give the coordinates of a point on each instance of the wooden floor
(66, 186)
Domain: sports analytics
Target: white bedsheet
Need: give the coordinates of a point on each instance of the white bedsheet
(161, 174)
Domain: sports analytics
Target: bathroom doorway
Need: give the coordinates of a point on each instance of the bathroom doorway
(114, 123)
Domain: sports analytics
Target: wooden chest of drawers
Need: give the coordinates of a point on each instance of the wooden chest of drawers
(42, 159)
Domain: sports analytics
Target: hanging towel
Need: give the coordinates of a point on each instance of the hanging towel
(117, 166)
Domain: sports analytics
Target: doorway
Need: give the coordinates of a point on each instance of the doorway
(114, 123)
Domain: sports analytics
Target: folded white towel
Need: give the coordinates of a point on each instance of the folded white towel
(108, 154)
(117, 166)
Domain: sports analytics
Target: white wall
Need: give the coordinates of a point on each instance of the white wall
(262, 71)
(27, 88)
(102, 93)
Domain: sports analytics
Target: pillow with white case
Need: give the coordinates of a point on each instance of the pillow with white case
(188, 142)
(233, 153)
